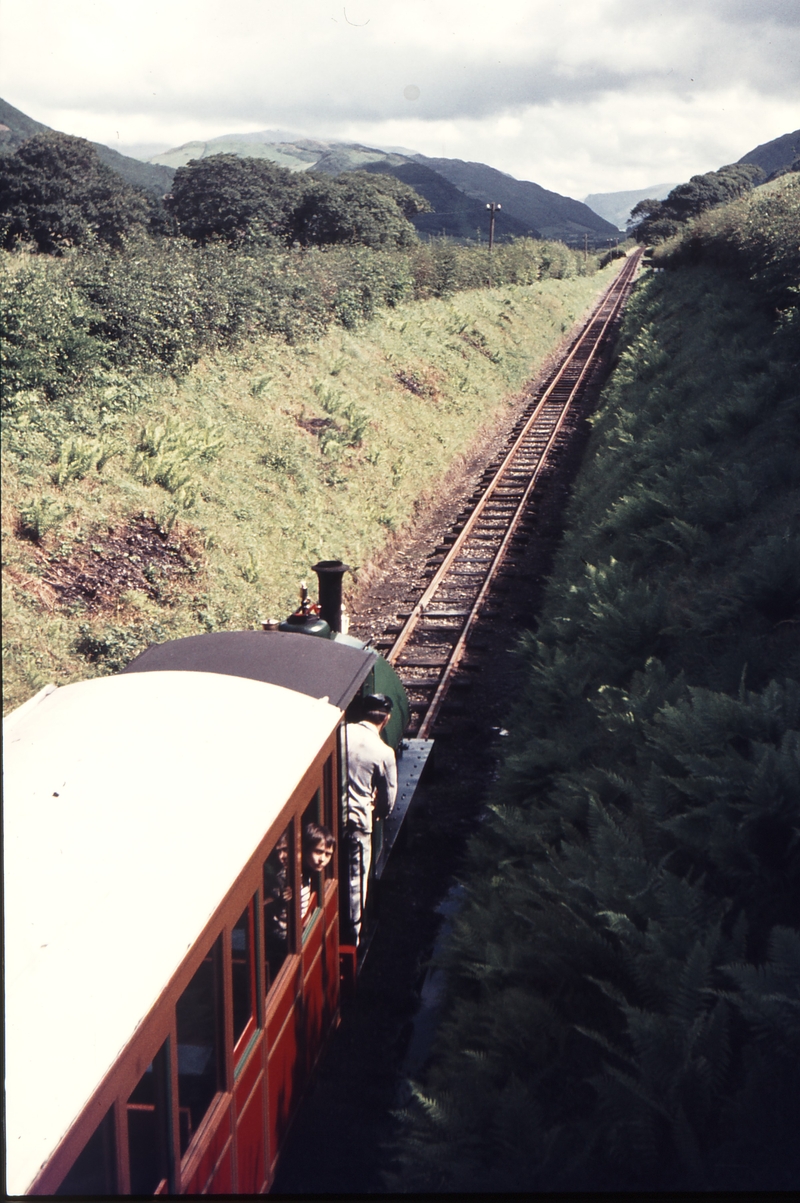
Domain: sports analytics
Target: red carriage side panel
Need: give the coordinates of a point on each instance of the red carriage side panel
(251, 1140)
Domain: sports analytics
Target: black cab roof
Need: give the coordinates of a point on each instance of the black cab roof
(313, 666)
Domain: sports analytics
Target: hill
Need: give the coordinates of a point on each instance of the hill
(288, 150)
(454, 213)
(150, 178)
(616, 206)
(295, 155)
(458, 191)
(16, 126)
(775, 155)
(554, 215)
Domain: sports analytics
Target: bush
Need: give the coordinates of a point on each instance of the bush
(40, 515)
(160, 303)
(46, 339)
(756, 237)
(115, 646)
(233, 199)
(78, 456)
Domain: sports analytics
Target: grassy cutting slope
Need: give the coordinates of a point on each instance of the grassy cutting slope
(154, 508)
(624, 977)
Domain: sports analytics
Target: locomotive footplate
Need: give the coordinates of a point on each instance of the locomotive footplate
(414, 757)
(411, 764)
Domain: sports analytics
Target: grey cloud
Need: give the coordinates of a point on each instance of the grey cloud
(756, 12)
(718, 44)
(721, 12)
(448, 90)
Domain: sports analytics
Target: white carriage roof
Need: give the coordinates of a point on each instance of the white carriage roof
(132, 803)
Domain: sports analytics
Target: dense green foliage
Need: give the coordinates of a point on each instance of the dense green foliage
(243, 200)
(653, 221)
(408, 200)
(141, 504)
(228, 198)
(351, 209)
(158, 304)
(757, 238)
(55, 193)
(622, 1009)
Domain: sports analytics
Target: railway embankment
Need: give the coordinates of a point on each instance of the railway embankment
(622, 978)
(158, 485)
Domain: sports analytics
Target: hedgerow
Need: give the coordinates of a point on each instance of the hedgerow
(252, 464)
(160, 303)
(757, 237)
(622, 1009)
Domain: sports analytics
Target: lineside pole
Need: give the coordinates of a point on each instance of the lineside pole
(492, 206)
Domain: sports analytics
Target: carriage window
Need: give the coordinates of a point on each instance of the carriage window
(149, 1127)
(317, 857)
(278, 904)
(328, 809)
(94, 1173)
(244, 978)
(199, 1015)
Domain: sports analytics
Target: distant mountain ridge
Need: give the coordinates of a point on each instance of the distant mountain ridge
(18, 127)
(616, 206)
(772, 156)
(457, 190)
(556, 216)
(775, 155)
(296, 156)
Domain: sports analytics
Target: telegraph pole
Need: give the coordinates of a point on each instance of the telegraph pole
(492, 207)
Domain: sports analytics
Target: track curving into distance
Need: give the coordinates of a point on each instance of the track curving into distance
(432, 640)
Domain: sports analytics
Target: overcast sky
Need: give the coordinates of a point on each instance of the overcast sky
(579, 95)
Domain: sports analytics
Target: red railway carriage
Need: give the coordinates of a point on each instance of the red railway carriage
(172, 971)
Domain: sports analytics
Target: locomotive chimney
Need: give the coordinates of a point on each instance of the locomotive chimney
(329, 574)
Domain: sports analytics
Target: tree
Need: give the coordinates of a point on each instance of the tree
(240, 200)
(651, 217)
(351, 208)
(655, 221)
(56, 193)
(231, 199)
(409, 202)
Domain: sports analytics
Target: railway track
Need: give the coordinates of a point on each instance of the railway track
(429, 641)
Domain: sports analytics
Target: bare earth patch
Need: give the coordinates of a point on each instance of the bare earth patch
(136, 557)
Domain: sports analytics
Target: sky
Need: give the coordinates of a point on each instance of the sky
(581, 96)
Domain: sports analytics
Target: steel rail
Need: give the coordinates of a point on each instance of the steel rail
(459, 648)
(613, 296)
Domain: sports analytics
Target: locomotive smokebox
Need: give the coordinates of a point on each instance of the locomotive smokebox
(329, 574)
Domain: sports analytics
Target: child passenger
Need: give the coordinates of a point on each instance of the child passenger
(277, 896)
(318, 848)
